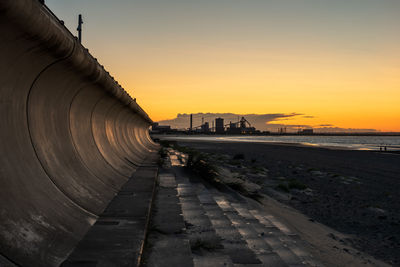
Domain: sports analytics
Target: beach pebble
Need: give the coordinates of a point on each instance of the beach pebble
(308, 192)
(377, 210)
(318, 173)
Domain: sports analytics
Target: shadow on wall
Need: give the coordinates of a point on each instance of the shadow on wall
(70, 136)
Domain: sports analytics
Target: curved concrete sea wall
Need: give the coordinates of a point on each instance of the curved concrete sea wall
(70, 136)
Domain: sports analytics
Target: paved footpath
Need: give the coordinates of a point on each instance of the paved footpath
(117, 238)
(194, 224)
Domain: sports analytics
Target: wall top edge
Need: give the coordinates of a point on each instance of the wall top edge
(36, 19)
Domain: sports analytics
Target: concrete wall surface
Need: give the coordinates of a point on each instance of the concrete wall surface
(70, 136)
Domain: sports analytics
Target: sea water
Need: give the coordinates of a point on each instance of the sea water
(348, 142)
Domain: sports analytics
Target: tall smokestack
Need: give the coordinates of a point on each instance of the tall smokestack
(191, 122)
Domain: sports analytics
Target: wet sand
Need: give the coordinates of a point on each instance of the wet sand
(353, 192)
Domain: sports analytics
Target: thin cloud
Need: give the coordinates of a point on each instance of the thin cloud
(263, 122)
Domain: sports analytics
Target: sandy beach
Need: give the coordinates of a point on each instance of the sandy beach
(353, 192)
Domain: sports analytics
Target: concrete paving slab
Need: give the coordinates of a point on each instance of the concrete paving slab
(247, 232)
(117, 244)
(221, 222)
(205, 239)
(272, 259)
(189, 199)
(170, 251)
(211, 260)
(229, 233)
(287, 255)
(215, 214)
(259, 246)
(200, 222)
(129, 205)
(240, 253)
(261, 218)
(206, 198)
(186, 192)
(278, 224)
(191, 206)
(167, 180)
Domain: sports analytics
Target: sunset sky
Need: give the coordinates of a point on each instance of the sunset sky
(336, 61)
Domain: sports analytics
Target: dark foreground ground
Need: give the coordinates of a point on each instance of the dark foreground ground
(354, 192)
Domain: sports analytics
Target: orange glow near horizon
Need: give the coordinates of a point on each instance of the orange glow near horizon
(345, 92)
